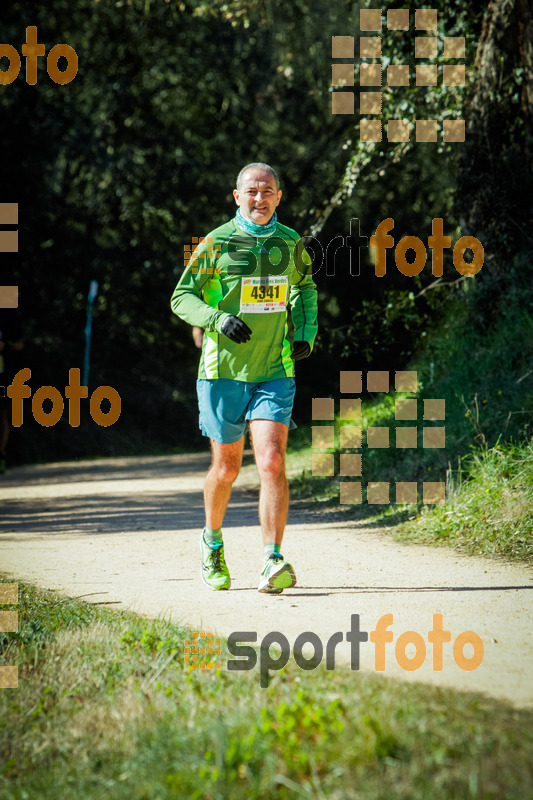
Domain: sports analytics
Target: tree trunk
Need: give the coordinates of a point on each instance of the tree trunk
(496, 186)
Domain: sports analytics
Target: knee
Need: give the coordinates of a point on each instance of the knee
(272, 464)
(226, 471)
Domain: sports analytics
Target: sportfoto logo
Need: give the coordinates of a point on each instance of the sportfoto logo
(202, 256)
(380, 637)
(74, 392)
(32, 50)
(427, 73)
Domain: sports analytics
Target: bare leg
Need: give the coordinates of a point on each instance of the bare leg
(269, 440)
(224, 469)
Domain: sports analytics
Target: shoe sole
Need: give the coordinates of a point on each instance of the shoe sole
(214, 588)
(270, 590)
(284, 579)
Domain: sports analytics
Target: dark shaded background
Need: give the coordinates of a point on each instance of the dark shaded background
(117, 170)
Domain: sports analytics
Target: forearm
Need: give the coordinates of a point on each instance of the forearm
(192, 309)
(304, 315)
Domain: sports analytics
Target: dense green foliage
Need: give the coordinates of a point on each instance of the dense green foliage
(117, 170)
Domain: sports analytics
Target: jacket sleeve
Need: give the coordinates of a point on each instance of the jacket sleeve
(186, 301)
(303, 298)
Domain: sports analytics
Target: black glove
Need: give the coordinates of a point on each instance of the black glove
(300, 350)
(236, 329)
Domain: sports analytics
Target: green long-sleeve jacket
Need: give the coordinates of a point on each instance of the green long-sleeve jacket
(256, 279)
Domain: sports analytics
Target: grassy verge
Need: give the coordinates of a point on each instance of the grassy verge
(107, 709)
(490, 514)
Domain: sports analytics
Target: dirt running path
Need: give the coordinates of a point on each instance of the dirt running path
(125, 532)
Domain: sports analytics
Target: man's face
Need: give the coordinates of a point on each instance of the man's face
(257, 196)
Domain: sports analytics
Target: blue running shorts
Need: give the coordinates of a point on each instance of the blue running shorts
(226, 405)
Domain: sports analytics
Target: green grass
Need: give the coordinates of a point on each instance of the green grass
(490, 514)
(106, 709)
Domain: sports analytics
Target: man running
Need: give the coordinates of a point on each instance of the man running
(238, 284)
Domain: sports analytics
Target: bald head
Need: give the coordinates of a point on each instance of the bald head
(257, 165)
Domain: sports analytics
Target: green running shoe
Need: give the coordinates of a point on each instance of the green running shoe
(215, 573)
(276, 576)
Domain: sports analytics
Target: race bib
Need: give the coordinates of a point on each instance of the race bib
(263, 295)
